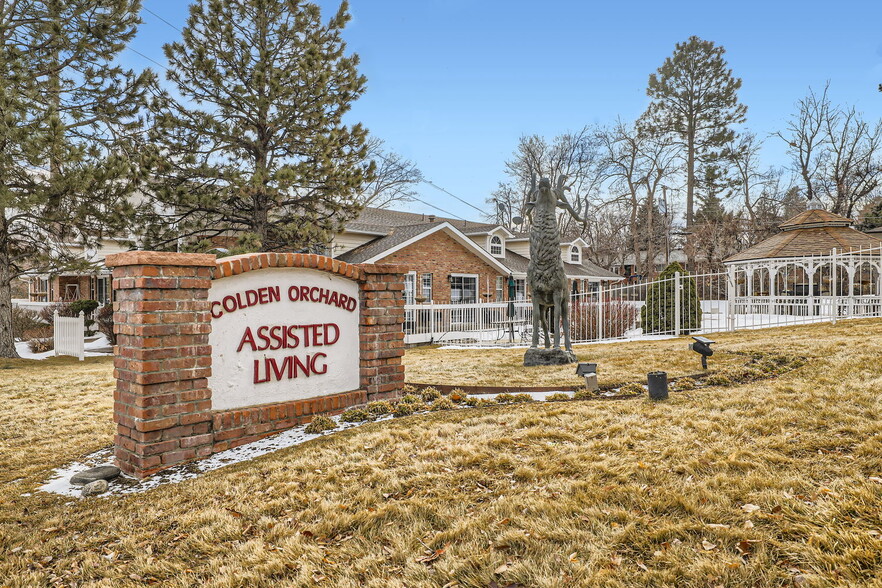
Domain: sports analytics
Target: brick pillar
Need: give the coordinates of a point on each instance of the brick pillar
(162, 400)
(382, 334)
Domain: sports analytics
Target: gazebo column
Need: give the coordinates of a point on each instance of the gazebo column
(811, 288)
(773, 277)
(851, 271)
(750, 271)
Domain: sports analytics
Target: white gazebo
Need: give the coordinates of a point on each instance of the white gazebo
(818, 265)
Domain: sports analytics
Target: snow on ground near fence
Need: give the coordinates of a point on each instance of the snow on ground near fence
(100, 347)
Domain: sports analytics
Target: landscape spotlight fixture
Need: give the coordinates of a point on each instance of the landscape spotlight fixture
(702, 346)
(589, 372)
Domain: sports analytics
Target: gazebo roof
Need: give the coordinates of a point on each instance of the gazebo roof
(813, 232)
(815, 218)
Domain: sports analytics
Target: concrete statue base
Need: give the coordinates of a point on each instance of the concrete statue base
(537, 356)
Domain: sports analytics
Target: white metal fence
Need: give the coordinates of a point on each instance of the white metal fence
(677, 305)
(69, 335)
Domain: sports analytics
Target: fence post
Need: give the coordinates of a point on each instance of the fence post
(80, 336)
(600, 311)
(677, 297)
(730, 298)
(56, 332)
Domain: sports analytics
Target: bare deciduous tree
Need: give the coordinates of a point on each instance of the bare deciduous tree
(836, 153)
(394, 177)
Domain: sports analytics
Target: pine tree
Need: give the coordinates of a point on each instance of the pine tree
(658, 315)
(68, 116)
(694, 98)
(255, 149)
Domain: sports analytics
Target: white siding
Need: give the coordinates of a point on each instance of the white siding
(519, 247)
(347, 241)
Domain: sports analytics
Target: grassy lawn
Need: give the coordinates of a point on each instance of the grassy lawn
(617, 362)
(773, 483)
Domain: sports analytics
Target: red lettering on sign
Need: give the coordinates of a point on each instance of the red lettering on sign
(247, 337)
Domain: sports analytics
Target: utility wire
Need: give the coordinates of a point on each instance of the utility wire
(425, 181)
(162, 19)
(438, 208)
(147, 58)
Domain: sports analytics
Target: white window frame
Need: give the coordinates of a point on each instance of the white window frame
(575, 254)
(476, 277)
(491, 245)
(500, 288)
(423, 293)
(410, 281)
(520, 289)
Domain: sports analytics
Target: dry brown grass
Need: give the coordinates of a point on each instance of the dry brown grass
(617, 363)
(626, 493)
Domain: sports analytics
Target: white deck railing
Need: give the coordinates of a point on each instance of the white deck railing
(69, 335)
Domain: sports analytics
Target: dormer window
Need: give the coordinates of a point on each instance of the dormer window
(496, 246)
(575, 254)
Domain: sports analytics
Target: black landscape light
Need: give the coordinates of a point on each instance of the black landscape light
(702, 346)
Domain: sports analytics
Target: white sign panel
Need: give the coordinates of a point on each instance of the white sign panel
(282, 334)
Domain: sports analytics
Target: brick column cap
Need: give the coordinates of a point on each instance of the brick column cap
(160, 258)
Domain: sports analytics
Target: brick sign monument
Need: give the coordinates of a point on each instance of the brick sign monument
(214, 353)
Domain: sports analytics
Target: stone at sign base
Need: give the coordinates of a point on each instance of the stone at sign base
(539, 356)
(106, 472)
(95, 488)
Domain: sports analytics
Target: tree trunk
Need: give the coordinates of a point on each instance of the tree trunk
(650, 243)
(7, 339)
(690, 194)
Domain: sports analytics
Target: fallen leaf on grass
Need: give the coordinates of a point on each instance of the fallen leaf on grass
(615, 560)
(501, 569)
(431, 556)
(745, 547)
(718, 525)
(750, 507)
(748, 524)
(707, 545)
(235, 513)
(876, 479)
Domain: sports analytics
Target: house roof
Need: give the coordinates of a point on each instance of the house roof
(401, 236)
(395, 237)
(405, 235)
(380, 220)
(813, 232)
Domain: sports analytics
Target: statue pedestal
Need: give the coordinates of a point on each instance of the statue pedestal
(541, 356)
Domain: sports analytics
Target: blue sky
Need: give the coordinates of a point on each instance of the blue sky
(453, 84)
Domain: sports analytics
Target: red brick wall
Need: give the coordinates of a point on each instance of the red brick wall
(441, 255)
(162, 403)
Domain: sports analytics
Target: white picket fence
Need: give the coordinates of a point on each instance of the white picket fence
(621, 312)
(69, 335)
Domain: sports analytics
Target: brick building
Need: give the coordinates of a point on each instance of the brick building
(453, 260)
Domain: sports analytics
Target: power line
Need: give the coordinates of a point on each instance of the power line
(162, 19)
(438, 208)
(425, 181)
(147, 58)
